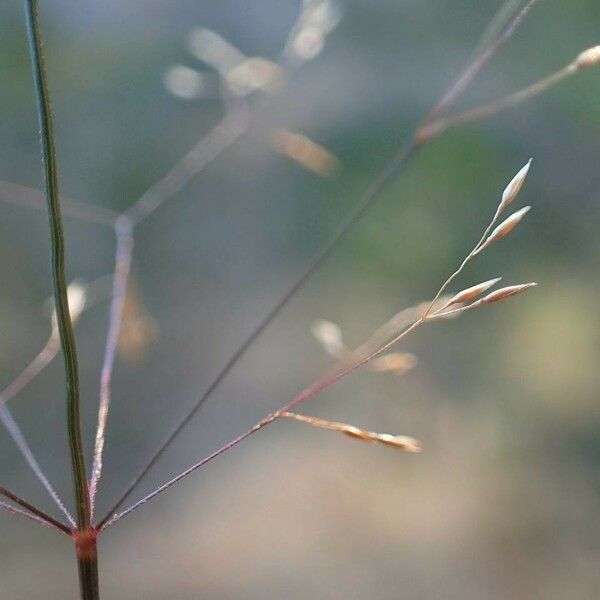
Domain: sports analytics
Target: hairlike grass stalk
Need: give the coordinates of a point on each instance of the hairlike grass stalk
(31, 511)
(23, 513)
(123, 255)
(85, 539)
(15, 432)
(42, 359)
(468, 75)
(81, 211)
(441, 124)
(500, 19)
(80, 297)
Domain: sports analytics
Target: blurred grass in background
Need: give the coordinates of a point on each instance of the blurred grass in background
(504, 500)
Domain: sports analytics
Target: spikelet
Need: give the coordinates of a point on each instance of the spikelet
(511, 191)
(397, 363)
(306, 152)
(504, 228)
(506, 292)
(470, 293)
(253, 74)
(189, 84)
(330, 337)
(214, 50)
(588, 58)
(400, 442)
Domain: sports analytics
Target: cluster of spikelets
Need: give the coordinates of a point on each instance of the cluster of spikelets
(373, 353)
(232, 77)
(231, 72)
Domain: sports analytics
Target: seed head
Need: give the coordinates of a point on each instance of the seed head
(504, 228)
(470, 293)
(588, 58)
(330, 336)
(400, 442)
(395, 362)
(506, 292)
(306, 152)
(514, 187)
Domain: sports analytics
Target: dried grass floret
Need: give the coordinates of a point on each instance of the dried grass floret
(399, 442)
(504, 228)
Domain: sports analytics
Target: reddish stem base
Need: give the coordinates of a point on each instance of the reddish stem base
(86, 549)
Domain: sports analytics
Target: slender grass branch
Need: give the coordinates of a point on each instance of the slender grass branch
(123, 254)
(16, 434)
(496, 24)
(32, 198)
(474, 67)
(23, 513)
(205, 152)
(487, 110)
(33, 512)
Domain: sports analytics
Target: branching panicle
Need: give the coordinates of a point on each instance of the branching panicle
(234, 77)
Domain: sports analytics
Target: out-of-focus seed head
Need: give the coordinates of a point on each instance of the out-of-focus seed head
(306, 152)
(76, 296)
(395, 362)
(330, 337)
(186, 83)
(214, 50)
(253, 74)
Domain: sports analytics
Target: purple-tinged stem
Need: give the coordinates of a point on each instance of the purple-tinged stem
(17, 435)
(34, 511)
(23, 513)
(123, 254)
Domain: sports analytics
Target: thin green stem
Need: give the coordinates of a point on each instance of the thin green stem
(65, 327)
(88, 572)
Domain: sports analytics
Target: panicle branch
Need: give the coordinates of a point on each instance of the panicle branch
(146, 205)
(331, 335)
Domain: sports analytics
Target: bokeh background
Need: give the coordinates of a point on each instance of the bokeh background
(504, 500)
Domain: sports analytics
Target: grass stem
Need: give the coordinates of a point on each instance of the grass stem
(88, 569)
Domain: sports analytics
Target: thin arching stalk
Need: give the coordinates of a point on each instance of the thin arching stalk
(123, 254)
(473, 69)
(81, 211)
(87, 557)
(41, 360)
(17, 435)
(32, 512)
(496, 106)
(23, 513)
